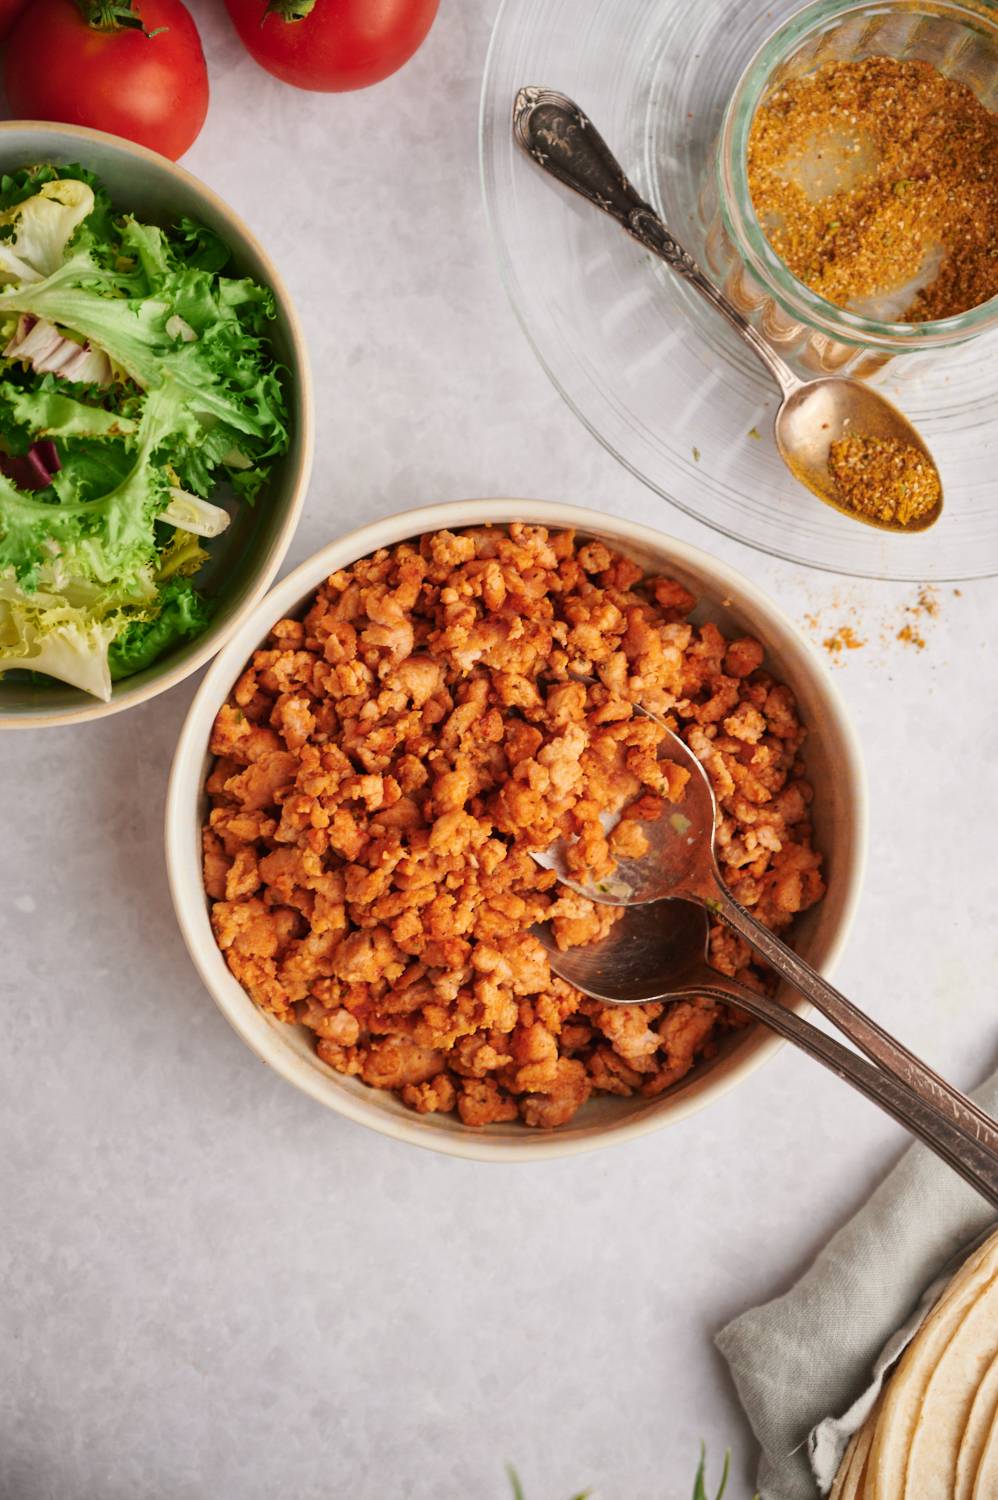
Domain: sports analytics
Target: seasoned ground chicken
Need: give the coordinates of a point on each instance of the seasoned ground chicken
(385, 765)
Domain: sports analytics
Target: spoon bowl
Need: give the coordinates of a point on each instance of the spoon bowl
(679, 860)
(652, 952)
(814, 416)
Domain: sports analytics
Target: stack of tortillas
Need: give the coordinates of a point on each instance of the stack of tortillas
(933, 1434)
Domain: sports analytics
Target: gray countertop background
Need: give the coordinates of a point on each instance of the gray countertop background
(210, 1288)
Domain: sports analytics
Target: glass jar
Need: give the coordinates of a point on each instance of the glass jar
(961, 41)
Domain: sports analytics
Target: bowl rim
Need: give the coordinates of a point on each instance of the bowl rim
(186, 884)
(215, 637)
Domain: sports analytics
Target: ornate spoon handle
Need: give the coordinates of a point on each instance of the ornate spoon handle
(946, 1101)
(971, 1160)
(552, 129)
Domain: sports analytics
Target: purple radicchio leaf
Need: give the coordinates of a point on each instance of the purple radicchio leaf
(32, 470)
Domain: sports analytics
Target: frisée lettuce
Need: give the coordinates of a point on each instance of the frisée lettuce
(140, 403)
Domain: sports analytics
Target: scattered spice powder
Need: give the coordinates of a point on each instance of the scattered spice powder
(928, 602)
(926, 606)
(853, 615)
(910, 636)
(871, 175)
(843, 639)
(886, 480)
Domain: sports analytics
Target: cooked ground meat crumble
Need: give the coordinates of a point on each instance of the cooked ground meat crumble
(385, 765)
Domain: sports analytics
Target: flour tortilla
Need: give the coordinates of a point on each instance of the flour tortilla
(967, 1271)
(986, 1482)
(975, 1433)
(949, 1397)
(907, 1387)
(846, 1469)
(854, 1487)
(860, 1492)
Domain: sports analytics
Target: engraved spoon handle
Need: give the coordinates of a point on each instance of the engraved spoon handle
(971, 1160)
(860, 1028)
(552, 129)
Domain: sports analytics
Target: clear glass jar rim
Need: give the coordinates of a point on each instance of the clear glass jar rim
(747, 233)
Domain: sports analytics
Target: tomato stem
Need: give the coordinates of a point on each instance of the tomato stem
(288, 10)
(113, 15)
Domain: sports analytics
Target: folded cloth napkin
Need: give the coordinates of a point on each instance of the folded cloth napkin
(808, 1366)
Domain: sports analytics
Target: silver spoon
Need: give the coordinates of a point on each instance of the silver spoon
(552, 129)
(681, 862)
(659, 952)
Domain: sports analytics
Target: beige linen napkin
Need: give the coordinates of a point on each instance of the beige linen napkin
(808, 1365)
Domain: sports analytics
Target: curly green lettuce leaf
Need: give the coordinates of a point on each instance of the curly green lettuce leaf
(25, 182)
(224, 372)
(109, 540)
(65, 633)
(34, 233)
(199, 246)
(89, 471)
(104, 305)
(182, 615)
(218, 448)
(47, 412)
(182, 557)
(248, 483)
(90, 639)
(52, 408)
(148, 245)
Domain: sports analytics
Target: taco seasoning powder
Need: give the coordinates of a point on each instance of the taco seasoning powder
(867, 176)
(884, 479)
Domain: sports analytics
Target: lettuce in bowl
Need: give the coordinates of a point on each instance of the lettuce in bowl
(140, 406)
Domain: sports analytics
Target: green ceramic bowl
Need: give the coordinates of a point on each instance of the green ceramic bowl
(246, 559)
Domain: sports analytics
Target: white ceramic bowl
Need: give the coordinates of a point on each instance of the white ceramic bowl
(834, 766)
(252, 550)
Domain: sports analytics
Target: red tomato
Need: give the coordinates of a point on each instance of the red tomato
(152, 89)
(8, 10)
(336, 44)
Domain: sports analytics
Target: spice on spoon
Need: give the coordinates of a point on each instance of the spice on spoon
(877, 183)
(884, 479)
